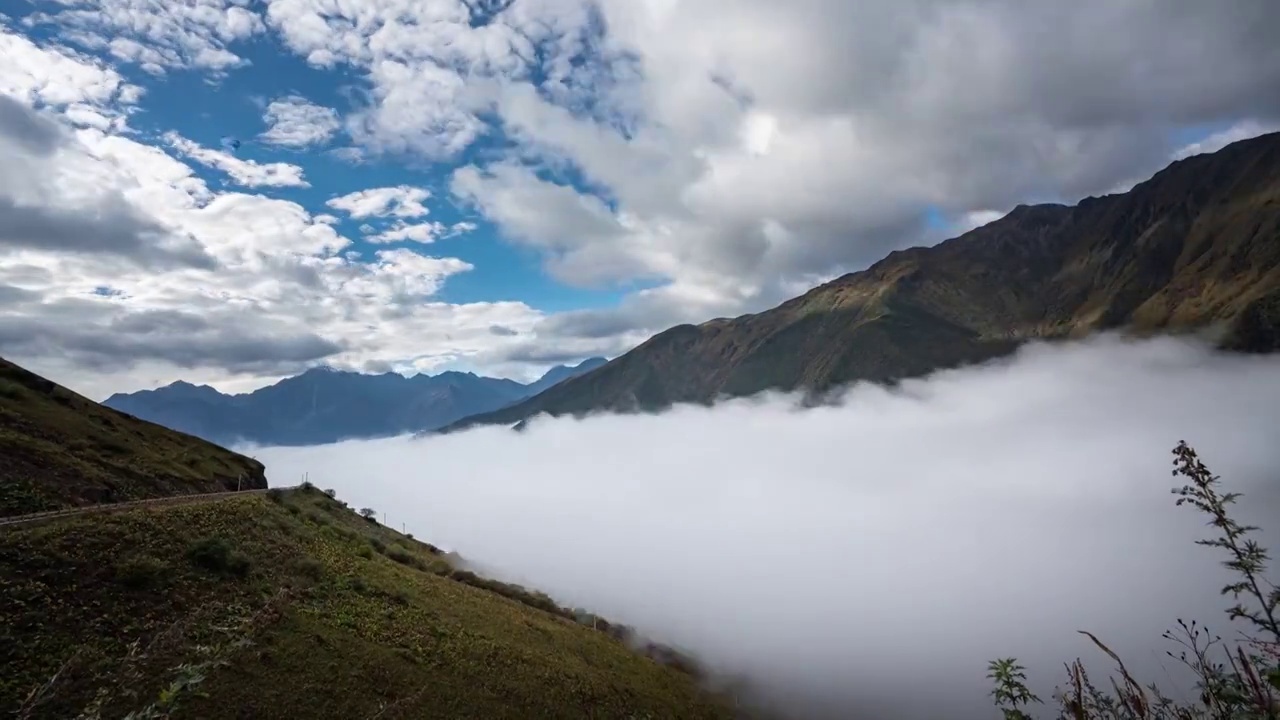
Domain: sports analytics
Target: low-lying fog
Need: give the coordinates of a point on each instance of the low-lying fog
(868, 558)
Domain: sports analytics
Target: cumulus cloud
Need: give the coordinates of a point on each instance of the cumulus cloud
(157, 36)
(36, 74)
(402, 201)
(296, 122)
(249, 173)
(708, 158)
(424, 233)
(37, 212)
(729, 149)
(110, 247)
(99, 337)
(864, 560)
(29, 129)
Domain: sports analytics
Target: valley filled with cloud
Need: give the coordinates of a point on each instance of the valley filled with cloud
(232, 192)
(868, 558)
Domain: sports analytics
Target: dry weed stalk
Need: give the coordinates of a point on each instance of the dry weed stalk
(1244, 687)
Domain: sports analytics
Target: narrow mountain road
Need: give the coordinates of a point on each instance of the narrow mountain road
(32, 518)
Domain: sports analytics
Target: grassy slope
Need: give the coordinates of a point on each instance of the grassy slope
(337, 627)
(59, 449)
(1195, 246)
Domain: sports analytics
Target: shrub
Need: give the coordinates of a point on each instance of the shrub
(378, 545)
(369, 514)
(293, 509)
(331, 493)
(311, 568)
(406, 558)
(140, 572)
(463, 576)
(513, 592)
(1245, 687)
(365, 552)
(343, 533)
(216, 555)
(317, 518)
(275, 495)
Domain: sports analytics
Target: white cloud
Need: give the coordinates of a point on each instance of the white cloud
(123, 269)
(34, 74)
(423, 60)
(158, 36)
(249, 173)
(420, 233)
(723, 153)
(419, 108)
(296, 122)
(975, 219)
(865, 560)
(403, 201)
(707, 146)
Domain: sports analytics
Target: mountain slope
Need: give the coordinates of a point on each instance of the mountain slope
(289, 605)
(1195, 246)
(324, 405)
(58, 449)
(560, 373)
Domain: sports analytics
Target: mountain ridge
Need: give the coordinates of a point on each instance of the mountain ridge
(324, 404)
(1197, 245)
(60, 450)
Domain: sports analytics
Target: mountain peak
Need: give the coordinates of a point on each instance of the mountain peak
(326, 404)
(1167, 255)
(185, 388)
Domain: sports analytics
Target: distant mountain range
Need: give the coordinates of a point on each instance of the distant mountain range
(1196, 246)
(324, 405)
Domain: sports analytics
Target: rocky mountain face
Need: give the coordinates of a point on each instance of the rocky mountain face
(324, 405)
(1195, 247)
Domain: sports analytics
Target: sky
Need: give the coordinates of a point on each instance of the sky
(866, 560)
(503, 185)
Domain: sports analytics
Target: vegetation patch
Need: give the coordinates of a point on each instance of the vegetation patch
(216, 555)
(321, 627)
(141, 572)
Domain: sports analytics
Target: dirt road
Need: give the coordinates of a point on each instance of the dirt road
(31, 518)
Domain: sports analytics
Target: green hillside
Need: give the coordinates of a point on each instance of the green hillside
(288, 604)
(59, 449)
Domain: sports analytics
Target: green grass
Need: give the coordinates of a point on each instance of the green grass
(58, 449)
(304, 619)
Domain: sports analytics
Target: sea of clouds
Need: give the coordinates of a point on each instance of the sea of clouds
(865, 559)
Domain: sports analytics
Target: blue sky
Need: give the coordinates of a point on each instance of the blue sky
(598, 170)
(207, 109)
